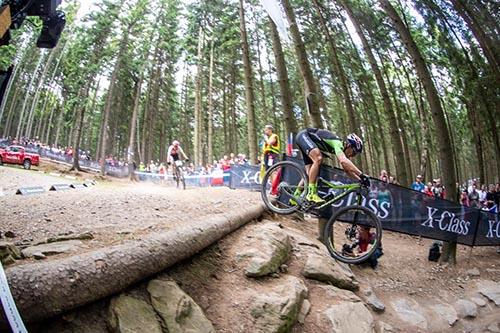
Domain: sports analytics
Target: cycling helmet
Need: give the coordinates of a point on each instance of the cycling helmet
(355, 143)
(176, 143)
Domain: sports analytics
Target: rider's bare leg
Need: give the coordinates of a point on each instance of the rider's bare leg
(313, 172)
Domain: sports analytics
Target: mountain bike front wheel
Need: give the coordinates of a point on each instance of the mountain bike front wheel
(353, 234)
(282, 188)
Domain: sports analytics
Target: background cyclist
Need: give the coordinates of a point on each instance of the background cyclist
(174, 153)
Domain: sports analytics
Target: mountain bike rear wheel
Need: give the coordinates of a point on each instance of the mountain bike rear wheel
(284, 196)
(353, 234)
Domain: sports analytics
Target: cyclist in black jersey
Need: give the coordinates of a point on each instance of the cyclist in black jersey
(313, 142)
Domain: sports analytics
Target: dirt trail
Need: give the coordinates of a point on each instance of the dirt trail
(113, 212)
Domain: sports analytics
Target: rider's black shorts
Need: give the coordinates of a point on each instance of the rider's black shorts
(175, 157)
(305, 144)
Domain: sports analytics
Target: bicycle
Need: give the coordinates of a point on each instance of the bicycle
(178, 173)
(348, 234)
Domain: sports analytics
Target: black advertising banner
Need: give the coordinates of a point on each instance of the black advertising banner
(245, 177)
(407, 211)
(488, 231)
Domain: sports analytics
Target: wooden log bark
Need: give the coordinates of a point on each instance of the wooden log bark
(45, 289)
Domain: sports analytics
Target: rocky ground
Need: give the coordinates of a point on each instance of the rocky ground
(274, 276)
(271, 275)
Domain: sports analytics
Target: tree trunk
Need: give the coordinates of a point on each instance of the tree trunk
(133, 122)
(59, 124)
(282, 74)
(74, 281)
(265, 115)
(10, 114)
(41, 82)
(249, 91)
(197, 144)
(210, 137)
(26, 97)
(310, 89)
(442, 132)
(7, 91)
(109, 102)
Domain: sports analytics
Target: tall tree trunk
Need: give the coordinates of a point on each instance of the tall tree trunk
(282, 74)
(80, 114)
(26, 97)
(233, 133)
(401, 172)
(198, 119)
(10, 114)
(210, 137)
(310, 89)
(7, 90)
(249, 92)
(133, 122)
(265, 115)
(38, 90)
(109, 102)
(59, 124)
(442, 133)
(49, 123)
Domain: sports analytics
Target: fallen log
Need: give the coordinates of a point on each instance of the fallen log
(42, 290)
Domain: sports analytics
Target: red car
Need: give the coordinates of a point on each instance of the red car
(18, 155)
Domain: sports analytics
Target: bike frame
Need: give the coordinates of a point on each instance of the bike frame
(355, 187)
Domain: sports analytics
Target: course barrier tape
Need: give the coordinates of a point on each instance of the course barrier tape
(158, 175)
(9, 306)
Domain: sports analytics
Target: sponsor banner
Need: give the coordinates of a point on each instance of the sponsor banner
(407, 211)
(488, 231)
(245, 177)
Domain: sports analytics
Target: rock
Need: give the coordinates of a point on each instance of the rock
(304, 311)
(466, 309)
(9, 234)
(177, 310)
(39, 256)
(349, 317)
(61, 238)
(473, 272)
(128, 314)
(478, 301)
(340, 294)
(490, 290)
(410, 312)
(447, 312)
(328, 270)
(278, 309)
(385, 328)
(270, 248)
(372, 300)
(494, 328)
(52, 248)
(9, 253)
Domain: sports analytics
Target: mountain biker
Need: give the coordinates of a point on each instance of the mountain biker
(174, 151)
(313, 142)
